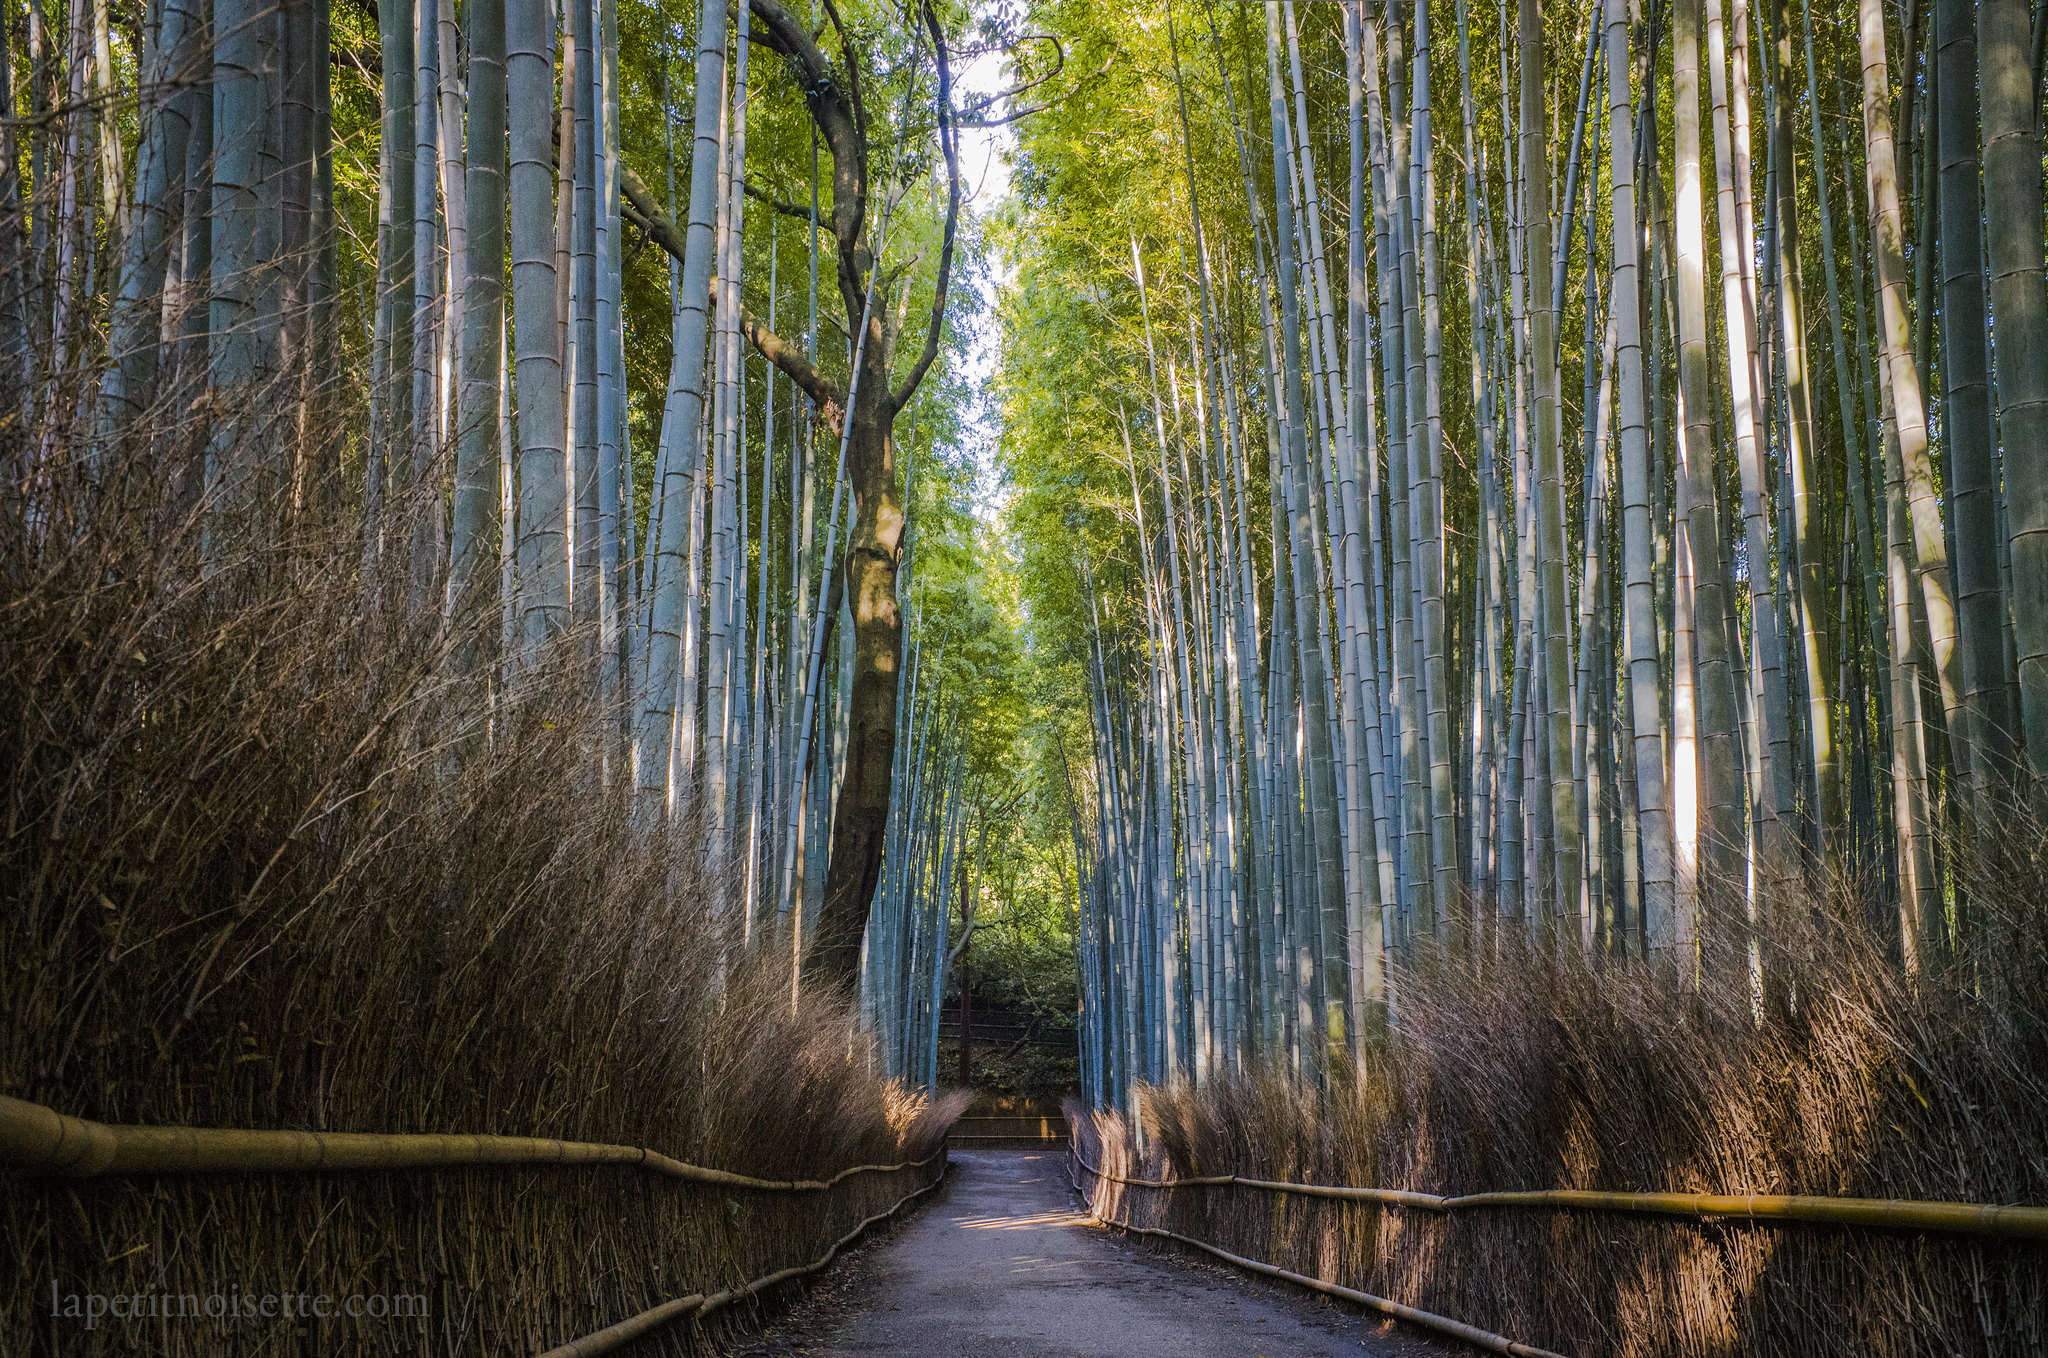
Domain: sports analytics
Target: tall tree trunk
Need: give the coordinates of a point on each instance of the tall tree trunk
(483, 307)
(1817, 644)
(1914, 513)
(2010, 98)
(860, 819)
(133, 343)
(543, 560)
(1640, 606)
(1714, 665)
(1548, 454)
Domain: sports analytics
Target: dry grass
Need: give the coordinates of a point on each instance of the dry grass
(1546, 1072)
(268, 864)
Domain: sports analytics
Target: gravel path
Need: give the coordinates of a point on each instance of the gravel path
(1001, 1264)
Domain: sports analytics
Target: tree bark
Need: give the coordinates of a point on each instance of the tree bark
(860, 819)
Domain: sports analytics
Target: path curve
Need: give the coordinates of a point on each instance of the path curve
(1003, 1264)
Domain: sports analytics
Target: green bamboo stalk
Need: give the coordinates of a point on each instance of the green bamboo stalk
(1331, 983)
(483, 304)
(1639, 602)
(423, 479)
(1548, 456)
(1719, 762)
(2008, 81)
(1967, 424)
(1914, 514)
(657, 734)
(237, 360)
(1817, 645)
(166, 117)
(1769, 742)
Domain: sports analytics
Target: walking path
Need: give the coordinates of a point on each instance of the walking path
(1003, 1264)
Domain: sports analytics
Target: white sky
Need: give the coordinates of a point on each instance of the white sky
(987, 178)
(986, 181)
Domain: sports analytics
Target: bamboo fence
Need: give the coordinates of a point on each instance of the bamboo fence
(1968, 1218)
(1461, 1272)
(1457, 1329)
(33, 1137)
(37, 1140)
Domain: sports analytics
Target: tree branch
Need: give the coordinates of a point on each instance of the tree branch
(802, 214)
(860, 103)
(814, 384)
(947, 140)
(842, 122)
(642, 211)
(1014, 115)
(974, 110)
(972, 117)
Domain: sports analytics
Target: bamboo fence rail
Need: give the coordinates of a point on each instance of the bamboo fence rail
(632, 1327)
(1965, 1218)
(1471, 1334)
(33, 1137)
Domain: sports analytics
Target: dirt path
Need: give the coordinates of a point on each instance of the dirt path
(1002, 1265)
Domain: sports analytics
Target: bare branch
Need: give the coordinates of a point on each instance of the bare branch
(948, 141)
(1015, 115)
(814, 384)
(802, 214)
(979, 106)
(841, 117)
(643, 212)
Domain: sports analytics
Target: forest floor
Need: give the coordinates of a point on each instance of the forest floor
(1004, 1264)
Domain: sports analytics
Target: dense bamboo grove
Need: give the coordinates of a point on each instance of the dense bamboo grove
(1478, 471)
(617, 336)
(1564, 473)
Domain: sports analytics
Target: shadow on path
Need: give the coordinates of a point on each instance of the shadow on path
(1003, 1264)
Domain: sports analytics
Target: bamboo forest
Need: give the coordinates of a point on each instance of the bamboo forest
(1401, 642)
